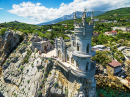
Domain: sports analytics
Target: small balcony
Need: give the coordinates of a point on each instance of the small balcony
(91, 54)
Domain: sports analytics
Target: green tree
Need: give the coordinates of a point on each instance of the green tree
(101, 57)
(2, 31)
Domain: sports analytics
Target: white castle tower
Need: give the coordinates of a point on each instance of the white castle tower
(82, 44)
(79, 54)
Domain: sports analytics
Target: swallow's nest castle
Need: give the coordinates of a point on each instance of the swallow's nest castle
(80, 53)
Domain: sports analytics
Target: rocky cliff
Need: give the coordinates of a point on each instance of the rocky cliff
(8, 42)
(27, 74)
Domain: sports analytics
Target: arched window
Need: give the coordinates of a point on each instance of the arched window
(67, 57)
(77, 64)
(74, 44)
(77, 47)
(72, 60)
(87, 48)
(87, 65)
(59, 54)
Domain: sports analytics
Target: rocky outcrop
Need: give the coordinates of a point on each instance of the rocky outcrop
(23, 73)
(35, 38)
(27, 74)
(8, 43)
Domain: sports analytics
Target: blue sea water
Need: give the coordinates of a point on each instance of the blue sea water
(110, 92)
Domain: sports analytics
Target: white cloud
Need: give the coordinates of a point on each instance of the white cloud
(43, 14)
(1, 22)
(1, 8)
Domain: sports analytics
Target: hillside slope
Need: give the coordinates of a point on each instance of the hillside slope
(120, 15)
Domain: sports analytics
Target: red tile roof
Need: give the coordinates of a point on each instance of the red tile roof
(114, 63)
(113, 31)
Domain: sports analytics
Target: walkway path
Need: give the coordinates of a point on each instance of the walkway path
(53, 53)
(50, 53)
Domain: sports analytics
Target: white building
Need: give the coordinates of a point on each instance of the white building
(80, 53)
(49, 30)
(99, 47)
(121, 28)
(111, 33)
(96, 20)
(121, 48)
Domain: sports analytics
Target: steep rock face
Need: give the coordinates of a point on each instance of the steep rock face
(23, 72)
(64, 84)
(27, 74)
(8, 42)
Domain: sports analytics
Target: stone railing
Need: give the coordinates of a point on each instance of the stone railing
(87, 74)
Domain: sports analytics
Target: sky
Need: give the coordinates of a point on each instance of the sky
(39, 11)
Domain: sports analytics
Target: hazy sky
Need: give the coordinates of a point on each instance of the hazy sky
(38, 11)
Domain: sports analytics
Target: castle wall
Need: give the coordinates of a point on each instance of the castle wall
(43, 46)
(77, 86)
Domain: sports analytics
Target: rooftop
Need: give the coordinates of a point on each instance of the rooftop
(114, 63)
(113, 31)
(99, 46)
(121, 48)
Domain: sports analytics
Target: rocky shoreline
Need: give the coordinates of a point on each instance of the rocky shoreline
(105, 81)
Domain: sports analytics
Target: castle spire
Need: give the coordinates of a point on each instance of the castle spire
(92, 16)
(92, 19)
(84, 16)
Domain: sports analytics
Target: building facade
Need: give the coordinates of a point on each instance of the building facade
(121, 28)
(112, 33)
(114, 69)
(79, 53)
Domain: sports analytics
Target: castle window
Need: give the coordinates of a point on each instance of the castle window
(72, 60)
(87, 65)
(73, 43)
(77, 47)
(77, 64)
(67, 58)
(87, 48)
(59, 54)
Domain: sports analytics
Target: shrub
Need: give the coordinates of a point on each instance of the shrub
(52, 42)
(45, 79)
(28, 81)
(39, 93)
(56, 85)
(29, 88)
(22, 89)
(15, 94)
(45, 74)
(21, 67)
(2, 32)
(49, 59)
(32, 65)
(43, 70)
(66, 92)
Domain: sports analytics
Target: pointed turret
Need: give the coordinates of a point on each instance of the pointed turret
(84, 18)
(92, 16)
(92, 19)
